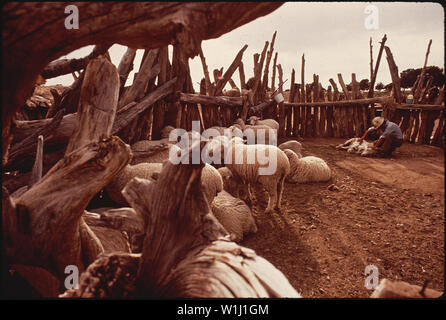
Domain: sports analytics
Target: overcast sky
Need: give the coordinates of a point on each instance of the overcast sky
(332, 36)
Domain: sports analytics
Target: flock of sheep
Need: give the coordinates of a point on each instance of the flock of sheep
(228, 183)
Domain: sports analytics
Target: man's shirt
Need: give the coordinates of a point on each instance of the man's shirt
(389, 128)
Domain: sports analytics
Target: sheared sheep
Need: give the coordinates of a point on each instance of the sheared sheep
(307, 169)
(141, 170)
(255, 121)
(244, 162)
(230, 132)
(234, 215)
(294, 146)
(260, 132)
(354, 146)
(211, 180)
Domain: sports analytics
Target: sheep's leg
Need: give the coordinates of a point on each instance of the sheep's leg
(272, 193)
(280, 187)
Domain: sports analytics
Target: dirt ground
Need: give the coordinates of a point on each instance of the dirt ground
(386, 212)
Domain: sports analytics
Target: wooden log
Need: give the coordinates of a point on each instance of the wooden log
(344, 88)
(262, 106)
(405, 116)
(125, 66)
(316, 110)
(416, 126)
(302, 79)
(146, 72)
(402, 290)
(438, 138)
(189, 239)
(281, 104)
(296, 122)
(57, 98)
(53, 240)
(355, 87)
(336, 111)
(430, 122)
(126, 114)
(371, 67)
(232, 84)
(258, 74)
(97, 104)
(143, 25)
(427, 107)
(29, 144)
(160, 107)
(417, 96)
(424, 90)
(375, 71)
(36, 173)
(70, 97)
(205, 100)
(266, 70)
(57, 131)
(241, 73)
(289, 118)
(395, 75)
(65, 66)
(230, 71)
(422, 135)
(323, 112)
(273, 76)
(309, 122)
(341, 103)
(207, 79)
(292, 87)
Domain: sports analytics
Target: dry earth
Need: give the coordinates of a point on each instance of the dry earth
(386, 212)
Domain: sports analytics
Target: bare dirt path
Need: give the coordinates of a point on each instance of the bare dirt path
(387, 212)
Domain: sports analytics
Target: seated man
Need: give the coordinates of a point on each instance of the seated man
(390, 139)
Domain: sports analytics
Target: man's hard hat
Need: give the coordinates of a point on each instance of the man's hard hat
(377, 122)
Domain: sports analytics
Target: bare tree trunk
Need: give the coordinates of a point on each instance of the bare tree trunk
(228, 74)
(375, 72)
(146, 72)
(125, 66)
(137, 25)
(417, 97)
(97, 104)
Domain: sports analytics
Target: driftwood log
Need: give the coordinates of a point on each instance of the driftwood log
(44, 227)
(186, 251)
(402, 290)
(136, 25)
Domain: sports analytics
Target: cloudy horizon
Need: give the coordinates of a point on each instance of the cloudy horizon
(332, 35)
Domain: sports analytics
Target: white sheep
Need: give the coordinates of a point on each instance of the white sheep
(141, 170)
(255, 121)
(294, 146)
(234, 215)
(250, 164)
(307, 169)
(210, 179)
(262, 133)
(354, 146)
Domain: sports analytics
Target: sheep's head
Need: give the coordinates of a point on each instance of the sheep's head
(291, 155)
(166, 131)
(230, 182)
(236, 131)
(253, 120)
(240, 123)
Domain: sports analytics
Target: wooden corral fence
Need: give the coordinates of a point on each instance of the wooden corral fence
(162, 94)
